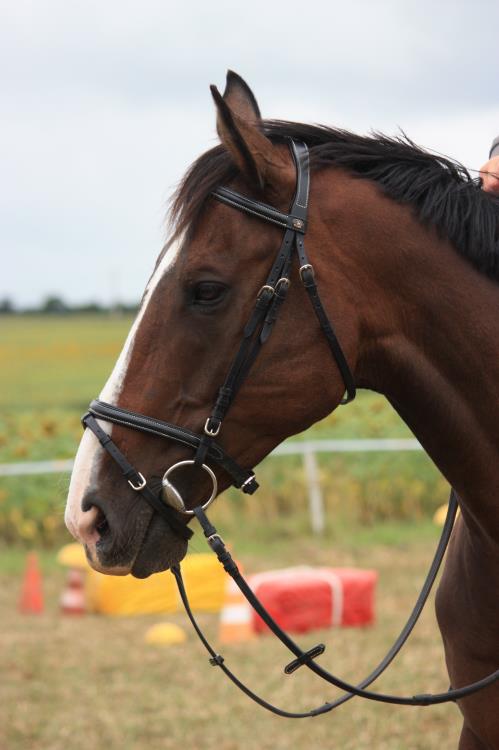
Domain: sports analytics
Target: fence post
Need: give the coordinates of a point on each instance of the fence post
(315, 498)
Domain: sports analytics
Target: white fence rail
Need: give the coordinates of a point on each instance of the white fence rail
(307, 449)
(20, 469)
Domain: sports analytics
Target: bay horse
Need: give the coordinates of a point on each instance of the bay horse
(406, 247)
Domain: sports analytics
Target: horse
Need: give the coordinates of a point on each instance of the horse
(405, 245)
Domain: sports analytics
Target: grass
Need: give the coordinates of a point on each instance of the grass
(92, 681)
(62, 359)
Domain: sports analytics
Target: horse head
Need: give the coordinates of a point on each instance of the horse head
(189, 327)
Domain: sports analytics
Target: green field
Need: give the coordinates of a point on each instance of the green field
(91, 682)
(51, 367)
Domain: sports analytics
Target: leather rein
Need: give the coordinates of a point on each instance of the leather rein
(170, 504)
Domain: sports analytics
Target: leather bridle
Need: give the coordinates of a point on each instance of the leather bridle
(171, 505)
(256, 332)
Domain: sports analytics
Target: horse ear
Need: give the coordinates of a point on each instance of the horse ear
(239, 126)
(240, 98)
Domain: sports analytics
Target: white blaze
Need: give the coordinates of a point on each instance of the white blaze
(90, 451)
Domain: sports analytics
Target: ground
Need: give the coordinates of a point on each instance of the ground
(92, 682)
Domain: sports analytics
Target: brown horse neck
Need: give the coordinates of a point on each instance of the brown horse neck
(428, 326)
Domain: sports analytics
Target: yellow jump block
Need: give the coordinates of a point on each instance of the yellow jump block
(125, 595)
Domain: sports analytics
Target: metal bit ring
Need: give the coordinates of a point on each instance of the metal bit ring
(172, 496)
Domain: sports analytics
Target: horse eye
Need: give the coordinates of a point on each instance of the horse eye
(207, 292)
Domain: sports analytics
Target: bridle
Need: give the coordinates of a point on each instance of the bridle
(171, 505)
(256, 332)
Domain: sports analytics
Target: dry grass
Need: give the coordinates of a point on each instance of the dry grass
(91, 682)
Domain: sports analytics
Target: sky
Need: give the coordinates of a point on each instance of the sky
(105, 104)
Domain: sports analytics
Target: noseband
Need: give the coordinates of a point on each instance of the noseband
(171, 505)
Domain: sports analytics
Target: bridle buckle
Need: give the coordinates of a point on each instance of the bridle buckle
(266, 288)
(307, 267)
(282, 282)
(212, 432)
(140, 485)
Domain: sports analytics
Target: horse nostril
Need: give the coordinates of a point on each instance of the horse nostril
(92, 525)
(101, 525)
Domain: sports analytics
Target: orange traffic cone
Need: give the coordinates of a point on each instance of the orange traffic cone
(72, 601)
(236, 617)
(31, 601)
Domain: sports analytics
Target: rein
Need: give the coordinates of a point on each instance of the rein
(170, 504)
(306, 658)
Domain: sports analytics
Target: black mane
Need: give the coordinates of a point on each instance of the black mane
(442, 192)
